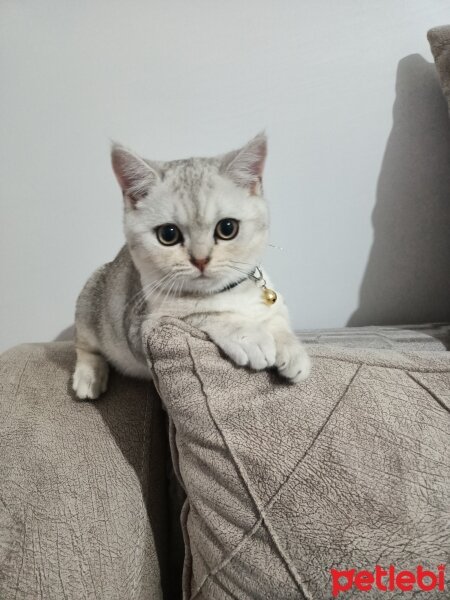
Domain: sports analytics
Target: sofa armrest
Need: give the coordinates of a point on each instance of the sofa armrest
(82, 485)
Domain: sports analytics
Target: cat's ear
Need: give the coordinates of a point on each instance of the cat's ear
(246, 165)
(135, 176)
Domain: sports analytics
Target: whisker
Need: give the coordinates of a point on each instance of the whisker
(154, 288)
(146, 288)
(169, 291)
(241, 262)
(182, 282)
(238, 269)
(147, 296)
(162, 287)
(134, 297)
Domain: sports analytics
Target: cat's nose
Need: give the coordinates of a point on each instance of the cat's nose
(200, 263)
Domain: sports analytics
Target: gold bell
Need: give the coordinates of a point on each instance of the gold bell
(269, 296)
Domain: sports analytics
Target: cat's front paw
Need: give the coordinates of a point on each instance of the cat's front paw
(249, 347)
(90, 378)
(292, 360)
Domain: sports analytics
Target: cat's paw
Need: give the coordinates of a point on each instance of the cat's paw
(90, 378)
(292, 361)
(250, 348)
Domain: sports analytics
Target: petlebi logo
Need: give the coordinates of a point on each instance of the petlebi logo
(387, 579)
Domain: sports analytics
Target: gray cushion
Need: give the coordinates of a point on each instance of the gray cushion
(350, 469)
(439, 38)
(82, 501)
(427, 336)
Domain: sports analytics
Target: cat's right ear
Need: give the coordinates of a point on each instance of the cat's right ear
(245, 166)
(134, 175)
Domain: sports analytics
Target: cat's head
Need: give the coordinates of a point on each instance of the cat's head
(201, 223)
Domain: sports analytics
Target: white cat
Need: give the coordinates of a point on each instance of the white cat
(195, 232)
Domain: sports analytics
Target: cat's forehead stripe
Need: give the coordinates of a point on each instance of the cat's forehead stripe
(191, 181)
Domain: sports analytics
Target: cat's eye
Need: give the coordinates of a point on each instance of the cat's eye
(227, 229)
(168, 234)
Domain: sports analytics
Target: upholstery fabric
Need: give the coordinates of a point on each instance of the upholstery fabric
(439, 38)
(82, 485)
(350, 469)
(428, 337)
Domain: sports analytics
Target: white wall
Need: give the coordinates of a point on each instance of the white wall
(172, 79)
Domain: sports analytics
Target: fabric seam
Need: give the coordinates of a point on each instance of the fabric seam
(252, 495)
(429, 391)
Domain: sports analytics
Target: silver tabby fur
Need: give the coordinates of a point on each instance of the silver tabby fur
(148, 280)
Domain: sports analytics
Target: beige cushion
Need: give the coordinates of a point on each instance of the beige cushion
(348, 470)
(439, 38)
(82, 502)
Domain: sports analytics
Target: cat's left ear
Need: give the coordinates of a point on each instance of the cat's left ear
(134, 174)
(246, 165)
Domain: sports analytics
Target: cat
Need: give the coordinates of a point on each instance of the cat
(195, 230)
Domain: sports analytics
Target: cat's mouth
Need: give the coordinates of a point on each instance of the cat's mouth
(201, 276)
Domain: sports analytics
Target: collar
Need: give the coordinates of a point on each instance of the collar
(256, 275)
(230, 286)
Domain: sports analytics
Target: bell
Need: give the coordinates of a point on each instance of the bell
(269, 296)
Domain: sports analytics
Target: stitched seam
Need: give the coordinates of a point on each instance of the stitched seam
(150, 431)
(273, 499)
(262, 512)
(223, 588)
(258, 522)
(229, 557)
(19, 383)
(186, 576)
(381, 366)
(292, 571)
(313, 441)
(432, 394)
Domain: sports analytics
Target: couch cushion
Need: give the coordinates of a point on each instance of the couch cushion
(349, 469)
(428, 336)
(82, 501)
(439, 38)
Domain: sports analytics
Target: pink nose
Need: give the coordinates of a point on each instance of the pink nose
(200, 263)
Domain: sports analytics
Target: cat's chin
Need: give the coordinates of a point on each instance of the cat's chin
(206, 284)
(203, 286)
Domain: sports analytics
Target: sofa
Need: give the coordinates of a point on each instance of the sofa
(214, 482)
(90, 507)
